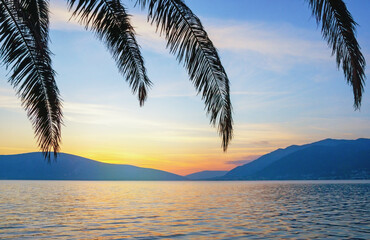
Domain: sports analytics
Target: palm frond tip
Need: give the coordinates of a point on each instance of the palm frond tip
(338, 28)
(110, 22)
(187, 39)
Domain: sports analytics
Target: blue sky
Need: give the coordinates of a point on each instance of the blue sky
(285, 88)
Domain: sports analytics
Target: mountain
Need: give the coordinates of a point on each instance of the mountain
(205, 175)
(32, 166)
(326, 159)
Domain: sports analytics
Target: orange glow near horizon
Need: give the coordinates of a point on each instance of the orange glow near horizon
(182, 160)
(285, 89)
(178, 164)
(177, 149)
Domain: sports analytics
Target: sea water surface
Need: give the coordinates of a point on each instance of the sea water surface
(184, 210)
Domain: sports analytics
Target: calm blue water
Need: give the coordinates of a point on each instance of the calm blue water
(184, 210)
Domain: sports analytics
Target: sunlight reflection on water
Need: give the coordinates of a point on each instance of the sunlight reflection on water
(184, 210)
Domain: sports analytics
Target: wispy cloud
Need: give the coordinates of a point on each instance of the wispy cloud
(147, 36)
(262, 143)
(244, 160)
(61, 18)
(173, 89)
(266, 46)
(9, 100)
(262, 93)
(238, 37)
(274, 40)
(102, 114)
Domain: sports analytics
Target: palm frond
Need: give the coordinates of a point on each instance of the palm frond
(24, 49)
(109, 20)
(187, 39)
(338, 28)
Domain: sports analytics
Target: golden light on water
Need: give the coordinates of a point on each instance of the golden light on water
(191, 210)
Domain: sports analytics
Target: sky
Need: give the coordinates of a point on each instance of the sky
(285, 89)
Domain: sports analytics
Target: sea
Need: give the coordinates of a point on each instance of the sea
(184, 210)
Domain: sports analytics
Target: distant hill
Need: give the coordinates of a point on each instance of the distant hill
(32, 166)
(205, 175)
(326, 159)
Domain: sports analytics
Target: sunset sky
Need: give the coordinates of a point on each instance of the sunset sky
(285, 89)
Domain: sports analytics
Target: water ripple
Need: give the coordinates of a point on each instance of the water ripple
(184, 210)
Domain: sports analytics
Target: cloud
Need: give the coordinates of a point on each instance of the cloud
(266, 46)
(102, 114)
(147, 35)
(245, 160)
(267, 39)
(261, 93)
(261, 143)
(61, 18)
(9, 100)
(173, 89)
(276, 41)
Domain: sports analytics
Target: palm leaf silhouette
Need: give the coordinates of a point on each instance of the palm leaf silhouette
(24, 27)
(109, 20)
(338, 28)
(187, 39)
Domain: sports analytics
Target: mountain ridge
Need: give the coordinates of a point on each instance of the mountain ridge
(33, 166)
(324, 159)
(205, 175)
(273, 161)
